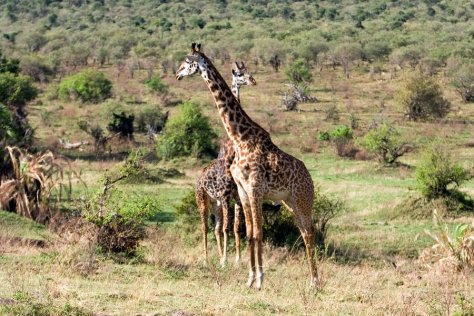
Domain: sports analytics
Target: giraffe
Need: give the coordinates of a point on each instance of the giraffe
(216, 187)
(260, 169)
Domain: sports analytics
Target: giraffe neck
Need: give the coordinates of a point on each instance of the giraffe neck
(239, 126)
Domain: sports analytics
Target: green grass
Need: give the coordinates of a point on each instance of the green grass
(13, 225)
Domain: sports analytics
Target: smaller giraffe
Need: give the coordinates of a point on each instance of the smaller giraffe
(216, 187)
(240, 77)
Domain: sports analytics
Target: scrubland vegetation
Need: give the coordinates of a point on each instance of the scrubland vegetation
(100, 148)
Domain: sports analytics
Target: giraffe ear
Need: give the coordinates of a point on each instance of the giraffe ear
(235, 66)
(198, 47)
(193, 47)
(234, 73)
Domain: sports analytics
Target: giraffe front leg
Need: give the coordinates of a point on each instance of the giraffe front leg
(225, 228)
(249, 232)
(257, 223)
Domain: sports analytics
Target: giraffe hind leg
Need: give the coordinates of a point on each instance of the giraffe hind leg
(304, 220)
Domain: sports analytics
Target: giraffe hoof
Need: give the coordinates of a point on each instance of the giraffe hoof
(250, 282)
(259, 281)
(223, 262)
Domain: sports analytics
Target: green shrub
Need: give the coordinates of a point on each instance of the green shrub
(325, 208)
(16, 90)
(10, 132)
(187, 211)
(463, 82)
(188, 133)
(156, 85)
(323, 136)
(151, 119)
(341, 137)
(86, 86)
(298, 72)
(9, 65)
(280, 229)
(386, 142)
(423, 99)
(120, 216)
(122, 124)
(437, 175)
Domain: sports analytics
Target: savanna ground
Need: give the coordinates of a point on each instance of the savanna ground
(373, 268)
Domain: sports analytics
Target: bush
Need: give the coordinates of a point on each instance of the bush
(463, 82)
(156, 85)
(122, 124)
(386, 142)
(422, 99)
(298, 72)
(325, 208)
(279, 227)
(188, 133)
(323, 136)
(10, 132)
(151, 119)
(86, 86)
(341, 137)
(9, 65)
(437, 175)
(16, 90)
(120, 216)
(187, 211)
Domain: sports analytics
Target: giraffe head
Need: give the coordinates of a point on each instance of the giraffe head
(190, 65)
(241, 75)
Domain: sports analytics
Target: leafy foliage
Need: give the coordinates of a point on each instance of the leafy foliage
(325, 208)
(341, 136)
(463, 81)
(120, 216)
(386, 142)
(86, 86)
(298, 72)
(156, 85)
(151, 119)
(9, 65)
(187, 210)
(279, 227)
(122, 124)
(16, 90)
(9, 129)
(437, 175)
(422, 98)
(188, 133)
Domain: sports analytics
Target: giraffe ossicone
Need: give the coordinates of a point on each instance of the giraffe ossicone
(260, 169)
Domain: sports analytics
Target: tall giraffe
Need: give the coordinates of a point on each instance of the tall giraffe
(216, 187)
(260, 169)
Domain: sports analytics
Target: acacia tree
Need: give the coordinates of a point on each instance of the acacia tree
(346, 54)
(422, 98)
